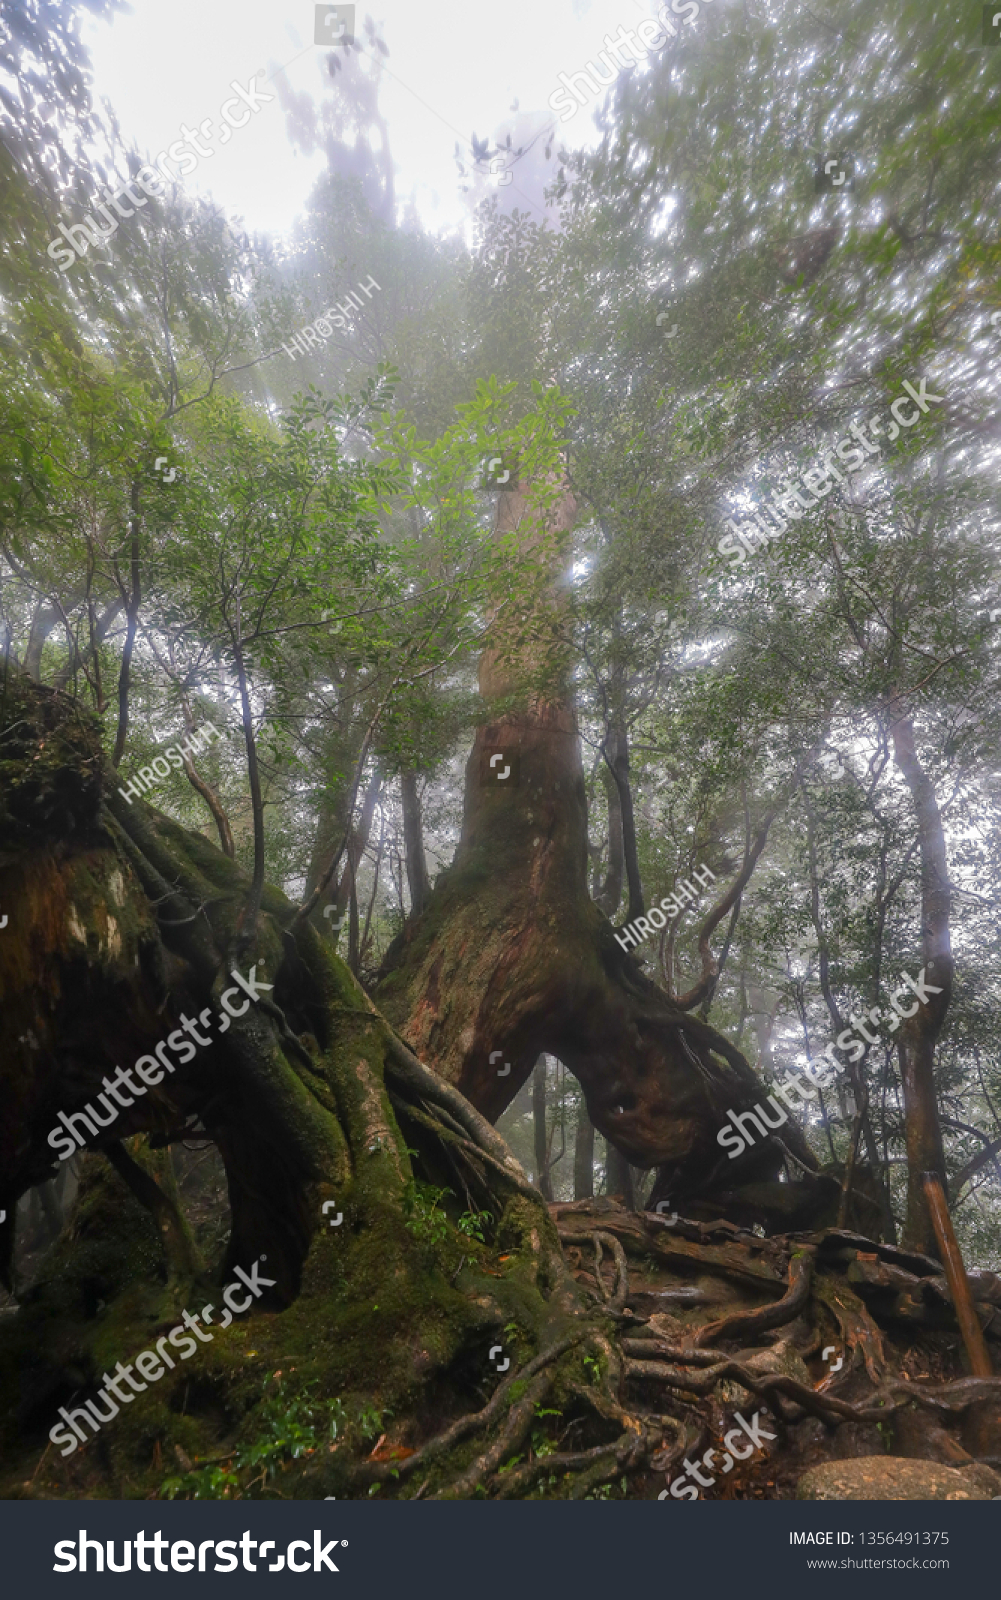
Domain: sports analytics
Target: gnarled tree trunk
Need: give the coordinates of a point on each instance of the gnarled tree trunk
(512, 957)
(121, 948)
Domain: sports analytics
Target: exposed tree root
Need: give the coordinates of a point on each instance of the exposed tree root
(617, 1299)
(438, 1447)
(310, 1097)
(516, 1425)
(855, 1324)
(746, 1324)
(768, 1385)
(515, 1483)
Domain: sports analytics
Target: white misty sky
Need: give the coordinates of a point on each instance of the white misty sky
(457, 67)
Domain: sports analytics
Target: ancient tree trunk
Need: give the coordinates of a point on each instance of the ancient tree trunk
(512, 955)
(120, 947)
(127, 925)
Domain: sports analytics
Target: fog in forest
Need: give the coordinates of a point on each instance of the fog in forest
(501, 635)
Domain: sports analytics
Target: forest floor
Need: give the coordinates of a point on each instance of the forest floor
(759, 1359)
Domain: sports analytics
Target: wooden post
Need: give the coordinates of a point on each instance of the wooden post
(955, 1272)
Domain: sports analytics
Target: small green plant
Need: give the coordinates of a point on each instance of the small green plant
(592, 1366)
(541, 1444)
(473, 1223)
(543, 1487)
(606, 1491)
(422, 1213)
(369, 1421)
(201, 1483)
(289, 1426)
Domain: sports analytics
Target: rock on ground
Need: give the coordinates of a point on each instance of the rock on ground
(897, 1478)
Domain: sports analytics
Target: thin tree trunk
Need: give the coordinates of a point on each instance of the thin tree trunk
(254, 775)
(616, 749)
(583, 1156)
(539, 1128)
(611, 890)
(44, 619)
(207, 793)
(366, 937)
(854, 1070)
(135, 600)
(353, 938)
(418, 881)
(358, 841)
(916, 1043)
(99, 630)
